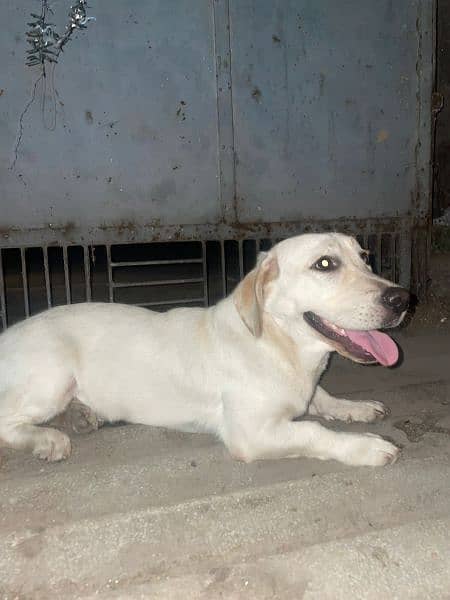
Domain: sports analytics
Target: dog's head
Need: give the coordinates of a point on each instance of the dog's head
(323, 286)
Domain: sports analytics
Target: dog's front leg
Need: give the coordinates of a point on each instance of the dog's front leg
(292, 439)
(330, 408)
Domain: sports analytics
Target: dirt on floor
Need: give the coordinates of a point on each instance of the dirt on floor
(433, 313)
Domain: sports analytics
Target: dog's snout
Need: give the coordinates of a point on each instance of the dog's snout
(396, 299)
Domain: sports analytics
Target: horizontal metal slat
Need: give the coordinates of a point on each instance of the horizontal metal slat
(151, 263)
(156, 283)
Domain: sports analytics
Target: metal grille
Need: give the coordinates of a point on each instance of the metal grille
(154, 275)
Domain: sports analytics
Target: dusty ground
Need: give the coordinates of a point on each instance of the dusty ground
(434, 314)
(140, 512)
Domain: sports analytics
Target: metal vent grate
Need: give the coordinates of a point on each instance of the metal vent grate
(158, 275)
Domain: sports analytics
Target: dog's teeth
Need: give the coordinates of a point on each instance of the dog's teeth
(334, 327)
(338, 329)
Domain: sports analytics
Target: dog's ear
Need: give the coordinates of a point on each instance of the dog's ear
(249, 295)
(261, 256)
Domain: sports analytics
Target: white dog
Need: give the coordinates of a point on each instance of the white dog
(243, 369)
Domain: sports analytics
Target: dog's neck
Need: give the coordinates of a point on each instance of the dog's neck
(301, 355)
(304, 355)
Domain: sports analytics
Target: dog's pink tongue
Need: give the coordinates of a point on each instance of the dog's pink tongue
(376, 343)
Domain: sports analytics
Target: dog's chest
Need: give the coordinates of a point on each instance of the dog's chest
(289, 394)
(298, 388)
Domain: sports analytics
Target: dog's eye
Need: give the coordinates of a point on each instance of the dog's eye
(365, 256)
(325, 263)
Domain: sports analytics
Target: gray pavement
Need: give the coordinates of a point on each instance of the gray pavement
(139, 512)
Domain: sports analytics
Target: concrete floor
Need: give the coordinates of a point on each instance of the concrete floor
(142, 512)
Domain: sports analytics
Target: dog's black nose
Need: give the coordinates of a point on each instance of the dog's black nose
(396, 298)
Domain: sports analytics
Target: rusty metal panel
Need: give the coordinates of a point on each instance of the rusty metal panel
(331, 107)
(247, 111)
(215, 120)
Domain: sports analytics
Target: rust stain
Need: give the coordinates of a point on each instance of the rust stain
(68, 227)
(227, 228)
(126, 226)
(382, 135)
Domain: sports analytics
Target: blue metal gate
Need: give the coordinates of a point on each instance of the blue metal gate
(216, 120)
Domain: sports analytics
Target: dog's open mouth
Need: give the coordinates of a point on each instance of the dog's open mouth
(361, 346)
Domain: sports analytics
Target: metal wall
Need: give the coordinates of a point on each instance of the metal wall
(441, 196)
(136, 133)
(220, 119)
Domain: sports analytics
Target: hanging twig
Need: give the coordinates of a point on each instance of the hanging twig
(21, 118)
(46, 46)
(46, 43)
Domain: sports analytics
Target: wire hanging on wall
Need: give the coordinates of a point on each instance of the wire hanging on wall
(46, 46)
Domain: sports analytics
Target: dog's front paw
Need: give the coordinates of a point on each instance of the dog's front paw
(367, 411)
(367, 449)
(364, 411)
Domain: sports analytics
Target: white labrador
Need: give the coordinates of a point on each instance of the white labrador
(242, 369)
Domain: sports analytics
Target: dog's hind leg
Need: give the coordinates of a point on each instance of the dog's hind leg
(326, 406)
(22, 409)
(81, 419)
(45, 442)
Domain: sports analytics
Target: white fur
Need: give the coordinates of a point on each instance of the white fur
(242, 369)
